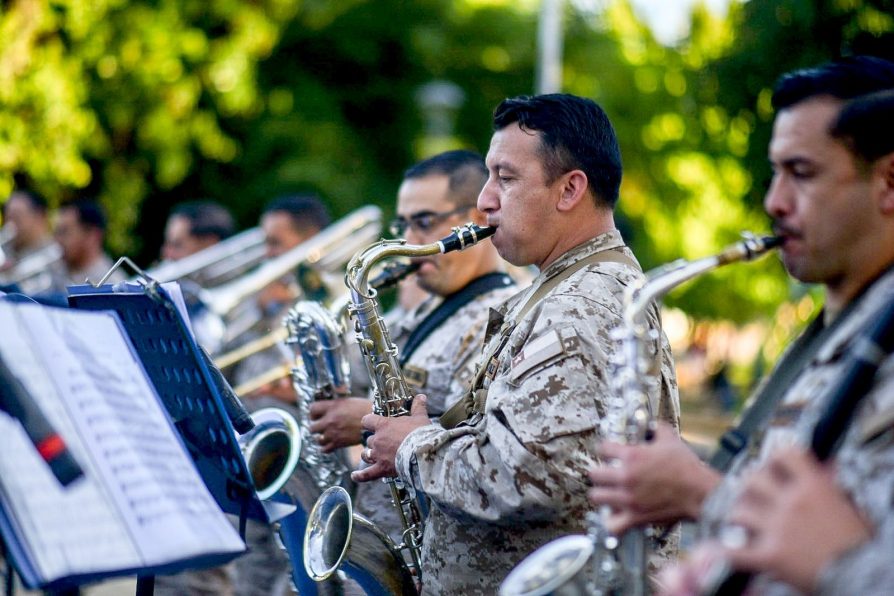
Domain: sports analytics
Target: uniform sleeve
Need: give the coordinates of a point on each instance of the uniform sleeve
(526, 459)
(865, 570)
(867, 472)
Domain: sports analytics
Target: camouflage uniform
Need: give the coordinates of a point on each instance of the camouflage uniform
(865, 461)
(509, 481)
(444, 362)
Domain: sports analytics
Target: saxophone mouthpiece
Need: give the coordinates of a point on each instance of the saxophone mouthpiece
(465, 236)
(749, 248)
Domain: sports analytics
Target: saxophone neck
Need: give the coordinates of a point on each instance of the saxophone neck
(461, 238)
(662, 280)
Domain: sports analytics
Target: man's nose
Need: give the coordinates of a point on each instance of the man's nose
(778, 200)
(487, 198)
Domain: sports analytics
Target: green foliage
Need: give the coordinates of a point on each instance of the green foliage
(145, 103)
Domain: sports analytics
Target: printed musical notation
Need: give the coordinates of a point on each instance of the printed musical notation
(141, 502)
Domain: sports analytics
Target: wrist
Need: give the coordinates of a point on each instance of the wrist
(702, 482)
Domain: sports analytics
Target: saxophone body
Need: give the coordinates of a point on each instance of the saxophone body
(322, 372)
(601, 564)
(330, 538)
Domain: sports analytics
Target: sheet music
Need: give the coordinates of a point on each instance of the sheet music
(69, 530)
(144, 499)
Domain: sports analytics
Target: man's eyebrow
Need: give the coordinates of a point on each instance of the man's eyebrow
(502, 165)
(789, 162)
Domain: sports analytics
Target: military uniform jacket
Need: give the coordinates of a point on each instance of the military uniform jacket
(440, 368)
(864, 462)
(513, 478)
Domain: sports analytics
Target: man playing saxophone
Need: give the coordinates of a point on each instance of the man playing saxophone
(439, 339)
(505, 470)
(832, 203)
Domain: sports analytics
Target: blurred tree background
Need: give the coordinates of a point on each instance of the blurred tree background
(145, 103)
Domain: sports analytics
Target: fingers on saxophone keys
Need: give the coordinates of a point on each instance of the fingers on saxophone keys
(366, 455)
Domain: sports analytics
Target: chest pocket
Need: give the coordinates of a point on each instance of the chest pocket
(547, 391)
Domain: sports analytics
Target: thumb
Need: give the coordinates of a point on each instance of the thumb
(419, 407)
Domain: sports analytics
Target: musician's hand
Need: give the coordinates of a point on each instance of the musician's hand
(388, 434)
(336, 422)
(661, 481)
(796, 518)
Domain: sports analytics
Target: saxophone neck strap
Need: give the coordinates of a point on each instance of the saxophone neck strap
(764, 403)
(472, 403)
(450, 305)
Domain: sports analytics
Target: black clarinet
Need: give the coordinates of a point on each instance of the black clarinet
(869, 350)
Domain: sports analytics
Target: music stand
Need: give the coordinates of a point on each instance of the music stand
(177, 367)
(178, 370)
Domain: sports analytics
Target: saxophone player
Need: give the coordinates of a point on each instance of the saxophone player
(505, 469)
(832, 202)
(440, 337)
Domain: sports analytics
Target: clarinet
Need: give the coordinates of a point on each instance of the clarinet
(869, 350)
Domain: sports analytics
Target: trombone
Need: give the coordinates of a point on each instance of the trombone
(216, 264)
(390, 274)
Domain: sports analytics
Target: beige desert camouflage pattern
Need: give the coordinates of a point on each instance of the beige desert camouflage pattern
(864, 463)
(447, 357)
(513, 479)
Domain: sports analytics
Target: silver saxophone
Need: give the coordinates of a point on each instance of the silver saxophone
(335, 534)
(321, 373)
(600, 563)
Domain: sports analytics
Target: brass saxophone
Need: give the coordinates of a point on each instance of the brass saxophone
(601, 563)
(333, 524)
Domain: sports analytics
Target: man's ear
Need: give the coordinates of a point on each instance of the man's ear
(885, 177)
(574, 186)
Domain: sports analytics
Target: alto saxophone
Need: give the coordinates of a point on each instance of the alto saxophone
(329, 530)
(601, 563)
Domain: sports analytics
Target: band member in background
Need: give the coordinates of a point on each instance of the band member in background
(505, 468)
(194, 226)
(439, 340)
(26, 213)
(832, 202)
(80, 231)
(286, 222)
(29, 260)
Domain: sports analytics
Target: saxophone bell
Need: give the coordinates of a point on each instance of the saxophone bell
(271, 450)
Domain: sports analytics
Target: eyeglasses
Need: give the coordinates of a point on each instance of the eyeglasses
(423, 221)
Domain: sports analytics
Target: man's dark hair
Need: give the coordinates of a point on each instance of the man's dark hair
(90, 214)
(306, 212)
(206, 218)
(845, 78)
(575, 134)
(865, 125)
(465, 171)
(34, 200)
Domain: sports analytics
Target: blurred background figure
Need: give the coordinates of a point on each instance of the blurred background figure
(191, 228)
(80, 231)
(286, 222)
(29, 257)
(194, 226)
